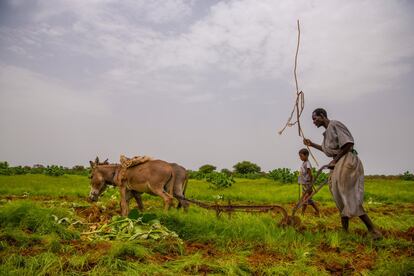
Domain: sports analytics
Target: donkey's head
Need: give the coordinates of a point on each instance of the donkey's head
(98, 182)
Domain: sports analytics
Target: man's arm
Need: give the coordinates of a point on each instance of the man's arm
(309, 143)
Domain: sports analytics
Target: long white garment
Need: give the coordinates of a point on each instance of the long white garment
(347, 185)
(347, 178)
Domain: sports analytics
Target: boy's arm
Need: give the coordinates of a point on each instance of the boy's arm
(310, 174)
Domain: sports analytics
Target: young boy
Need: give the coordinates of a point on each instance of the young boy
(305, 179)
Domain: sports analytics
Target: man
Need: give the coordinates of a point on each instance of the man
(347, 173)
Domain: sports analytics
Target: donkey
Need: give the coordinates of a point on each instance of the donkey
(151, 178)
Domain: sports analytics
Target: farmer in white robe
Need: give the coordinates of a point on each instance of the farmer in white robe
(347, 173)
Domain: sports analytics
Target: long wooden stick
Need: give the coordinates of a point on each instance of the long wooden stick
(299, 103)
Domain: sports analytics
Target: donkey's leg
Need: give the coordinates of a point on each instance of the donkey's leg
(170, 194)
(128, 195)
(138, 199)
(183, 203)
(179, 194)
(168, 200)
(165, 196)
(124, 203)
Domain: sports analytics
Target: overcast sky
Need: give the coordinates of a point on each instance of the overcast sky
(200, 81)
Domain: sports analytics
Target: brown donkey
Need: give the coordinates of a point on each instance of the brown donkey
(154, 177)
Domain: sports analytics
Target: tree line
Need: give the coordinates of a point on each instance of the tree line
(218, 179)
(52, 170)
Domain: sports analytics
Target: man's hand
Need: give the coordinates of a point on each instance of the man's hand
(307, 142)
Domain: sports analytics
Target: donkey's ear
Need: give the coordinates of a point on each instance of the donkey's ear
(97, 160)
(106, 162)
(92, 164)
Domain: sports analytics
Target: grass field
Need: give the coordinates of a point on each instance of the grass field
(45, 226)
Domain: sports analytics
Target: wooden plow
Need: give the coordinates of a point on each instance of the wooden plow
(231, 208)
(287, 220)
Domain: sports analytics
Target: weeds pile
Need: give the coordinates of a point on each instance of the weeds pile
(133, 227)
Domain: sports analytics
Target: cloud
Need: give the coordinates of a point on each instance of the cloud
(345, 49)
(198, 63)
(31, 94)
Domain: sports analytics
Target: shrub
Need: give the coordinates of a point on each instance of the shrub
(195, 175)
(37, 169)
(219, 180)
(226, 172)
(6, 172)
(407, 176)
(78, 170)
(283, 175)
(5, 169)
(322, 177)
(20, 170)
(246, 167)
(4, 165)
(54, 170)
(207, 169)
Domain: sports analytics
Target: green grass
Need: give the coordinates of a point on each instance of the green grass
(42, 185)
(41, 218)
(259, 190)
(29, 216)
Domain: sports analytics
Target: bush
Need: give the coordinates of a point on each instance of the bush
(226, 172)
(322, 177)
(5, 169)
(4, 165)
(219, 180)
(195, 175)
(246, 167)
(283, 175)
(37, 169)
(407, 176)
(54, 170)
(6, 172)
(207, 169)
(78, 170)
(20, 170)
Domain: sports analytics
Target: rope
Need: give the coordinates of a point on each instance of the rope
(299, 103)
